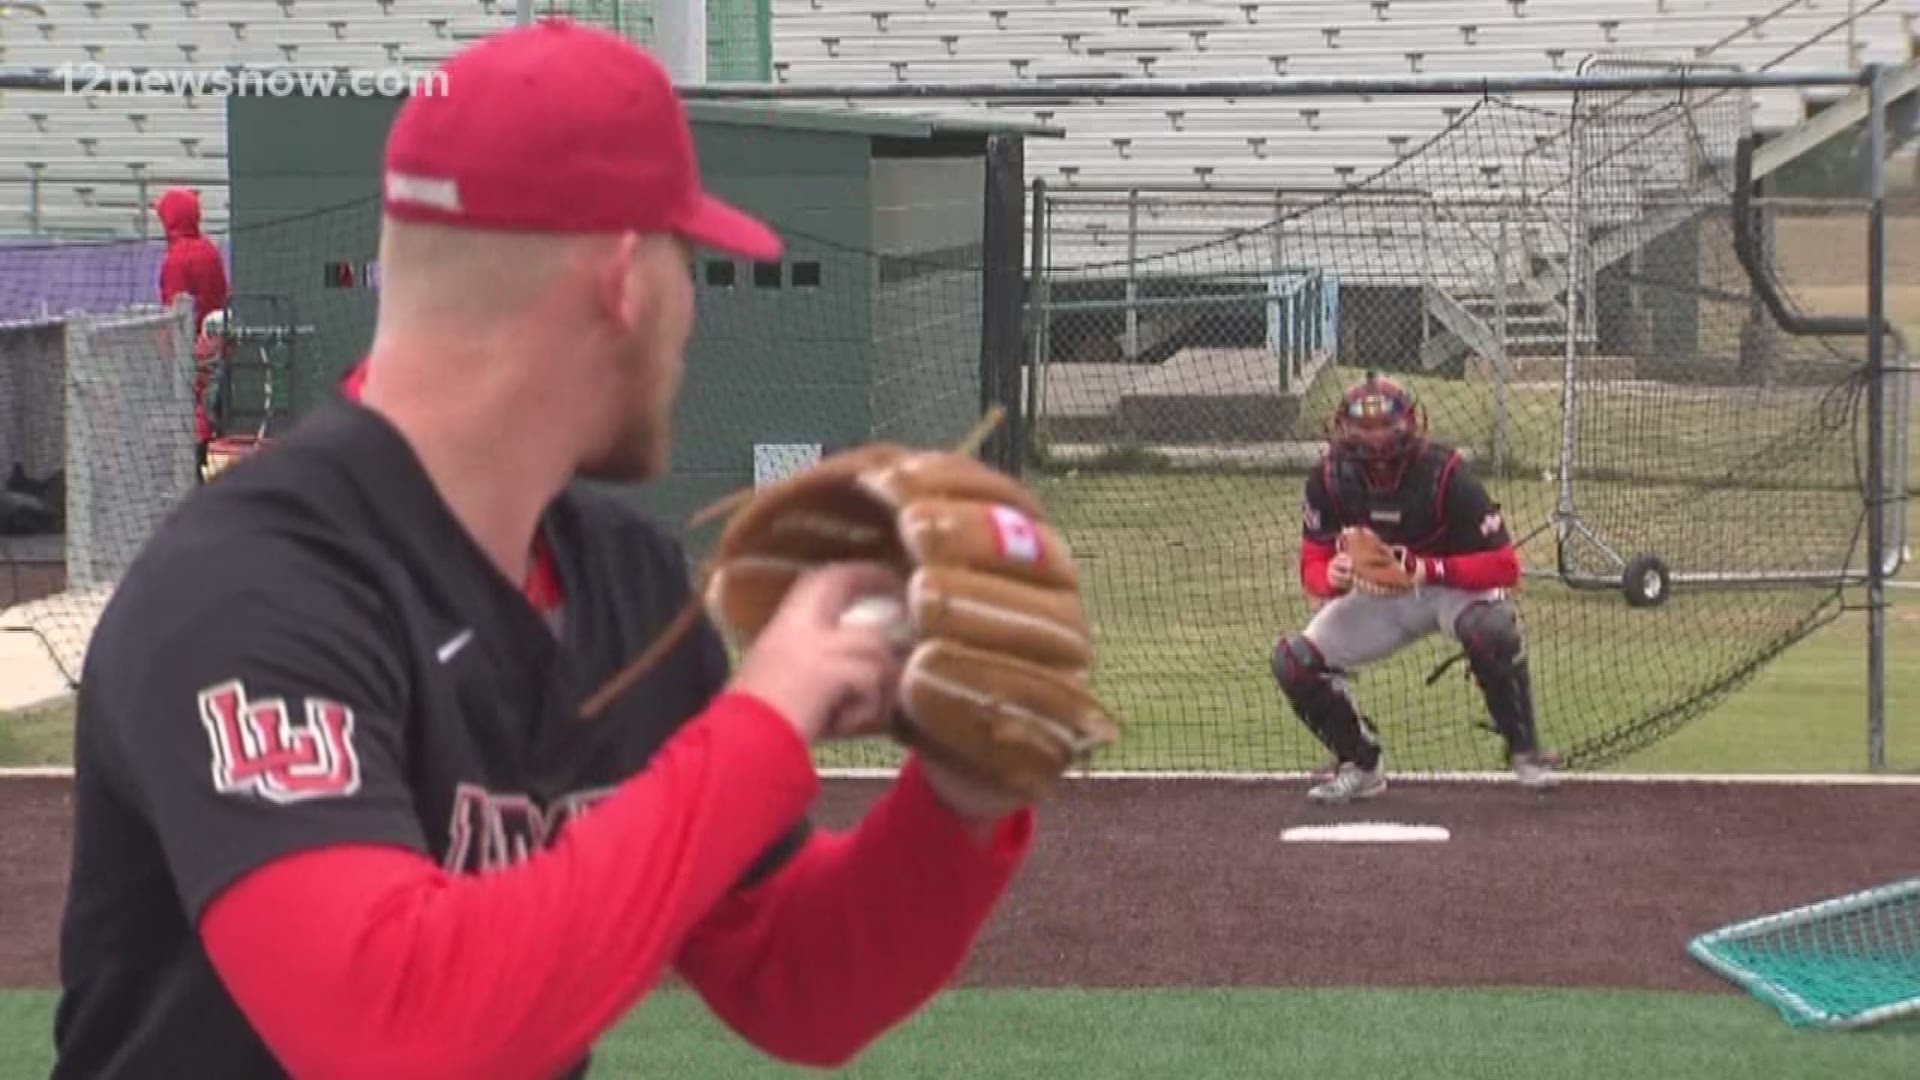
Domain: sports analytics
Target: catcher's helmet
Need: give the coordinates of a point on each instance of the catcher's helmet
(1379, 425)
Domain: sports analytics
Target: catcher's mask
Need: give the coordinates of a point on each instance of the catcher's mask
(1379, 426)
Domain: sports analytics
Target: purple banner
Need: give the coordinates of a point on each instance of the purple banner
(40, 279)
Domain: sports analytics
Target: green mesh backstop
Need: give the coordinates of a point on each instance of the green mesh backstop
(1847, 962)
(739, 32)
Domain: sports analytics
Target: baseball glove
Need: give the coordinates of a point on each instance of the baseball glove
(1378, 569)
(994, 684)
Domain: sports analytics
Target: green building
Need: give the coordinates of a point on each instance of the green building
(894, 313)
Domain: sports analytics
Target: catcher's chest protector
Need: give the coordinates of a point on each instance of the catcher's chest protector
(1408, 515)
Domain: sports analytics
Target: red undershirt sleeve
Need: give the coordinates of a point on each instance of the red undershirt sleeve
(1314, 557)
(1498, 568)
(1475, 528)
(363, 960)
(858, 930)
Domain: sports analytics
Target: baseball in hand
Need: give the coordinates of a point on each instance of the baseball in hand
(882, 613)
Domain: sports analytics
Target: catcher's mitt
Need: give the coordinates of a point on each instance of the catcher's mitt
(1378, 569)
(994, 683)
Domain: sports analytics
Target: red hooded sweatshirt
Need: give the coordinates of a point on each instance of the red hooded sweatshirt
(192, 266)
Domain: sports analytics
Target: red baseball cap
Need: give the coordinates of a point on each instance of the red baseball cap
(557, 127)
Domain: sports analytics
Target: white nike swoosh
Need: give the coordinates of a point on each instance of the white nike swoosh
(455, 644)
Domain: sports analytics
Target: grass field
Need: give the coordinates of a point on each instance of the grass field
(1188, 607)
(1331, 1034)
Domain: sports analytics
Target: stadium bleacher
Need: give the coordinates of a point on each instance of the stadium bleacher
(84, 162)
(84, 150)
(839, 41)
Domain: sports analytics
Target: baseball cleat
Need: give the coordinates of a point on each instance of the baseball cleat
(1534, 769)
(1350, 783)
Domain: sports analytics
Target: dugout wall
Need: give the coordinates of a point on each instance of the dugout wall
(894, 312)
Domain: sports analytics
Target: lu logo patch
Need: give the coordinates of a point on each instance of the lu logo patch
(260, 750)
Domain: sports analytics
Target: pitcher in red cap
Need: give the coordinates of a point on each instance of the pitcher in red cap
(336, 815)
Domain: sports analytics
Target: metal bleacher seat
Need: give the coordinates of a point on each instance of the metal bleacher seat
(175, 167)
(16, 146)
(885, 46)
(1273, 140)
(91, 158)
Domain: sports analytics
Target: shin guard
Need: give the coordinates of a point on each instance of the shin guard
(1321, 702)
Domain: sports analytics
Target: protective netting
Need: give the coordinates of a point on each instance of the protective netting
(96, 425)
(1847, 962)
(1557, 280)
(98, 392)
(1555, 277)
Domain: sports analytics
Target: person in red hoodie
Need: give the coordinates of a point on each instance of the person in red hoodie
(1382, 472)
(336, 810)
(193, 266)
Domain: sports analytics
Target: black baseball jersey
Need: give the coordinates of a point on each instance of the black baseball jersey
(313, 650)
(1438, 508)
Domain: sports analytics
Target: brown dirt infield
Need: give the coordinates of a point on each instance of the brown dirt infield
(1153, 883)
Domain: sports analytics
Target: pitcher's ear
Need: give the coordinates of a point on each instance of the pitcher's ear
(618, 281)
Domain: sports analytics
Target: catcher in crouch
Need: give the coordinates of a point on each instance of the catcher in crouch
(1401, 539)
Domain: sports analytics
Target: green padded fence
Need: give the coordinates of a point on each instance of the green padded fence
(1847, 962)
(739, 32)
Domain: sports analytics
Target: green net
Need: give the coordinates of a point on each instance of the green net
(1847, 962)
(739, 32)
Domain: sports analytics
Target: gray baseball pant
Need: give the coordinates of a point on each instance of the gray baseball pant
(1356, 629)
